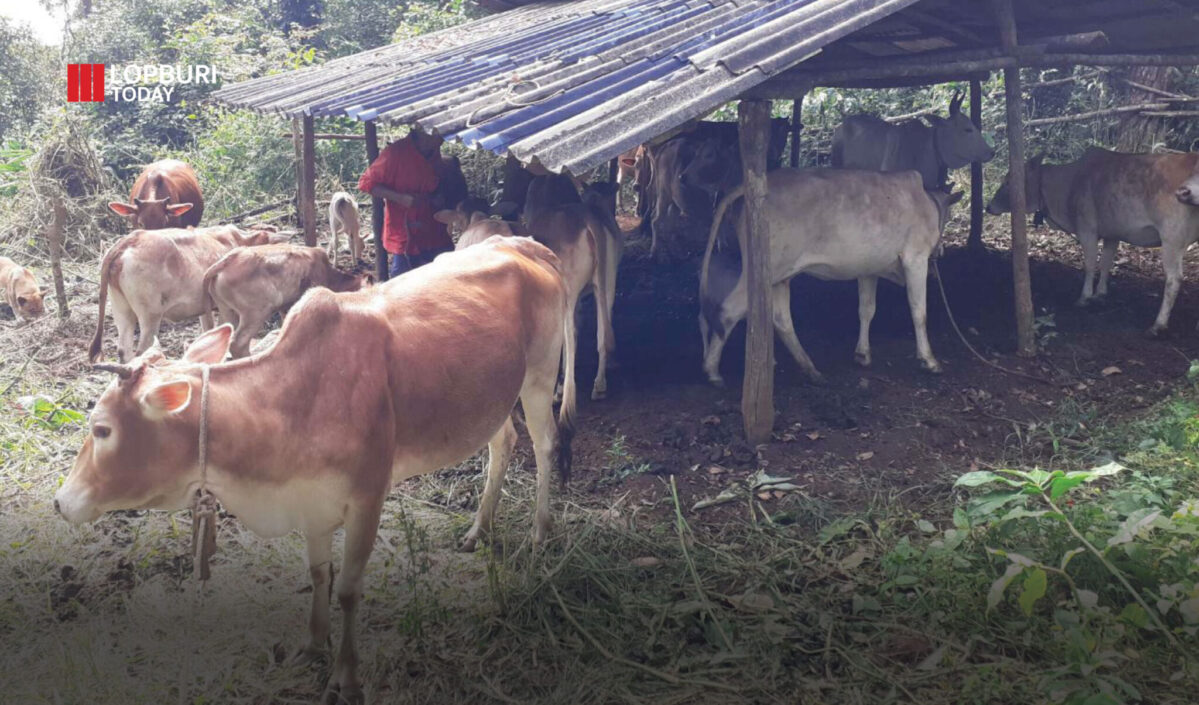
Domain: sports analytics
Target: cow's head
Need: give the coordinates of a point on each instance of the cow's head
(141, 451)
(602, 195)
(714, 167)
(150, 213)
(25, 295)
(959, 140)
(1001, 202)
(1188, 193)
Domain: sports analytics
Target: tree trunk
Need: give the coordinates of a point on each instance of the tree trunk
(1135, 132)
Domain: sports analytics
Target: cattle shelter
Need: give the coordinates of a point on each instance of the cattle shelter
(569, 86)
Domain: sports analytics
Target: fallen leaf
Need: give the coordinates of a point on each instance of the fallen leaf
(866, 456)
(710, 420)
(646, 562)
(855, 559)
(1113, 370)
(752, 602)
(717, 470)
(814, 436)
(765, 496)
(727, 496)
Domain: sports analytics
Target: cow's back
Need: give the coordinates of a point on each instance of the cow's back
(836, 223)
(1122, 195)
(436, 337)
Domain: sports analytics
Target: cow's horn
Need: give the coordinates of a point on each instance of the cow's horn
(122, 371)
(955, 105)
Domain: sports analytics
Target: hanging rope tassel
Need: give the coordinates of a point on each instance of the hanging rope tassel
(204, 507)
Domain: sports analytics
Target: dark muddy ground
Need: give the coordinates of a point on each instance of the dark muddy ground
(892, 430)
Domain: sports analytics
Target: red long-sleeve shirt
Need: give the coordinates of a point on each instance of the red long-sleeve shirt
(406, 230)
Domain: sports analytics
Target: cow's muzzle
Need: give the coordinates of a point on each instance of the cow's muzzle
(1186, 195)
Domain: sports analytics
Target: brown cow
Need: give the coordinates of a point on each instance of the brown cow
(431, 365)
(157, 274)
(21, 291)
(249, 284)
(1115, 198)
(165, 195)
(588, 242)
(470, 225)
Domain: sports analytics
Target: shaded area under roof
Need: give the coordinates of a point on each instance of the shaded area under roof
(568, 84)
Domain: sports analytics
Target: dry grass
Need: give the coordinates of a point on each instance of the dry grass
(625, 605)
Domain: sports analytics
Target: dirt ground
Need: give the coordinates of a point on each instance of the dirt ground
(892, 430)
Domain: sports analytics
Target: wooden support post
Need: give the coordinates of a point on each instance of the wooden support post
(297, 141)
(372, 153)
(975, 241)
(757, 393)
(54, 235)
(796, 129)
(308, 207)
(1026, 344)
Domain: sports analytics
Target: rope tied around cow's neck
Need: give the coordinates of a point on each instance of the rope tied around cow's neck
(203, 506)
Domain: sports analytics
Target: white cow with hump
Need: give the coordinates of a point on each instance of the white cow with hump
(834, 224)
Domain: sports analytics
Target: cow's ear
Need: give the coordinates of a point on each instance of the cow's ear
(935, 120)
(125, 209)
(167, 398)
(178, 209)
(211, 346)
(448, 217)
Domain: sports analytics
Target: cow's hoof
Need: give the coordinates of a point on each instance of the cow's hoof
(1155, 331)
(717, 382)
(468, 543)
(862, 359)
(598, 394)
(816, 378)
(934, 367)
(344, 695)
(308, 655)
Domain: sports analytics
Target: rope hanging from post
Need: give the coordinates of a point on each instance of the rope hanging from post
(204, 507)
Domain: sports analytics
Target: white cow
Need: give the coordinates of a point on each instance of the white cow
(834, 224)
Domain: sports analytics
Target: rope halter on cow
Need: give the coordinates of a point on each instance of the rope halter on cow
(203, 505)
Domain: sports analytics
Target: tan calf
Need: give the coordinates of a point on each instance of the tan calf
(589, 244)
(470, 225)
(21, 291)
(159, 274)
(431, 365)
(249, 284)
(343, 217)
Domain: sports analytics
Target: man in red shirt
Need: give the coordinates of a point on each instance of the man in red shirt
(405, 175)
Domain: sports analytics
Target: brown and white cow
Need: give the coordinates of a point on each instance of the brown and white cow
(157, 274)
(589, 243)
(249, 284)
(433, 364)
(21, 290)
(633, 168)
(869, 142)
(343, 217)
(165, 195)
(834, 224)
(1114, 197)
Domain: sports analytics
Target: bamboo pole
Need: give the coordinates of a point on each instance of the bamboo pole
(308, 207)
(297, 142)
(372, 153)
(1026, 344)
(757, 393)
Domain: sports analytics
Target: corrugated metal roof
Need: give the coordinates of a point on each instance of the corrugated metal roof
(568, 84)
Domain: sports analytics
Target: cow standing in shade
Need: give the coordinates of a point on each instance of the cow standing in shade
(868, 142)
(834, 224)
(165, 195)
(432, 365)
(1141, 199)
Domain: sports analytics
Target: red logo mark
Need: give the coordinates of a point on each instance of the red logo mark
(85, 83)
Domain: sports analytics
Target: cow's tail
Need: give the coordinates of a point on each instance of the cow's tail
(567, 411)
(728, 200)
(93, 351)
(209, 283)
